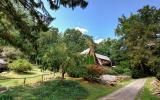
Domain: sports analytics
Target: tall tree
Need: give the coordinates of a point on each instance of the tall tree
(114, 49)
(76, 40)
(139, 32)
(28, 18)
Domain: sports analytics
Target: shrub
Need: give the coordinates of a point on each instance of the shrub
(122, 68)
(12, 53)
(158, 75)
(77, 71)
(94, 72)
(138, 73)
(20, 65)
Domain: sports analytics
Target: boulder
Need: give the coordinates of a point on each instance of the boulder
(112, 79)
(109, 79)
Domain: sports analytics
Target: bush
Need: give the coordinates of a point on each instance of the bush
(77, 71)
(138, 73)
(12, 53)
(122, 70)
(20, 65)
(158, 75)
(94, 72)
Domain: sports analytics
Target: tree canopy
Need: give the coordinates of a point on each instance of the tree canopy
(140, 35)
(22, 20)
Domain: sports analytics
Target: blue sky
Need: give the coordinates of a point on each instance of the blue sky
(100, 18)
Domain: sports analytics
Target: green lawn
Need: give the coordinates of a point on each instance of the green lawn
(70, 89)
(146, 93)
(33, 76)
(97, 90)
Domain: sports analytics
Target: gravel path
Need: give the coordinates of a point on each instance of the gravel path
(128, 92)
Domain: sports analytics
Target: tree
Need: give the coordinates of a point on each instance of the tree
(59, 57)
(76, 41)
(114, 49)
(139, 32)
(27, 18)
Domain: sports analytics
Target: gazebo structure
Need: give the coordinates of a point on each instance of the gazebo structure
(98, 58)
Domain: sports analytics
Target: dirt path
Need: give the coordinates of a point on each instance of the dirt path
(128, 92)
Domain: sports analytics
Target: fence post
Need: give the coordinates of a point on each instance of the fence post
(42, 78)
(24, 81)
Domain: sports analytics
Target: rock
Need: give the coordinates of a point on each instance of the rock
(3, 89)
(109, 79)
(112, 79)
(156, 87)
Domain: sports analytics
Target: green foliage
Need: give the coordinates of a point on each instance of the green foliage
(139, 35)
(6, 97)
(158, 75)
(123, 68)
(77, 71)
(21, 28)
(114, 49)
(138, 73)
(61, 89)
(72, 90)
(76, 40)
(106, 47)
(20, 65)
(90, 60)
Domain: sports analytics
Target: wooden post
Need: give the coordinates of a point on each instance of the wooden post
(42, 78)
(24, 81)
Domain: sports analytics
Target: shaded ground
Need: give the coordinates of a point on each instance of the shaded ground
(128, 92)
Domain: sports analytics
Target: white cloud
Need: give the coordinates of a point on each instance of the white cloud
(98, 40)
(83, 30)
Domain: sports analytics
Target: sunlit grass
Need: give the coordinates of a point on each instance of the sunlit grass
(32, 77)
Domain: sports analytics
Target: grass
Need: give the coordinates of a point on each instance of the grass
(70, 89)
(146, 93)
(97, 90)
(32, 77)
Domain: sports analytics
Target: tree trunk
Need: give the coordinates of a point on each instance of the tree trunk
(63, 72)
